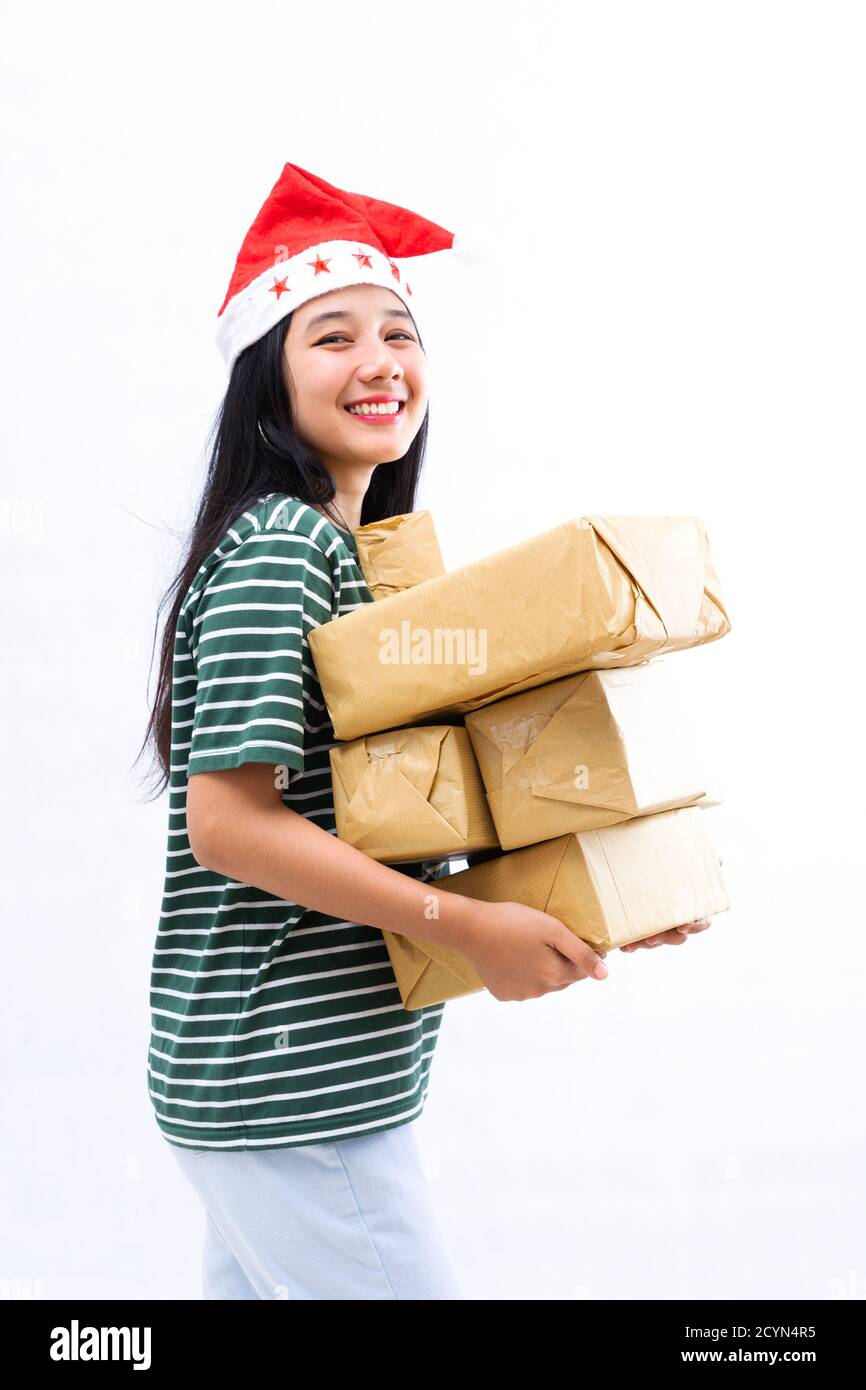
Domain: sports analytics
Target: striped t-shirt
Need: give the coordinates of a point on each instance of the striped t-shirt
(271, 1024)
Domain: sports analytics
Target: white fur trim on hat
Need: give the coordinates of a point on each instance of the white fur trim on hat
(253, 311)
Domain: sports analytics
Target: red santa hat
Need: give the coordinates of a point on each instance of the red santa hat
(310, 237)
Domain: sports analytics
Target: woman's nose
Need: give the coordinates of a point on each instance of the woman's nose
(384, 363)
(383, 371)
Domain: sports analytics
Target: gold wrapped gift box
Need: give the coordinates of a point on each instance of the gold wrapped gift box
(398, 552)
(593, 593)
(596, 595)
(610, 886)
(411, 794)
(582, 752)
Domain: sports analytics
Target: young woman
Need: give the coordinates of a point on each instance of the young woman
(283, 1068)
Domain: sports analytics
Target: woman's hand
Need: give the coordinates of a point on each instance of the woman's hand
(675, 936)
(522, 953)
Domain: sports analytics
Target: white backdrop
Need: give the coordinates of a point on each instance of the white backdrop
(669, 317)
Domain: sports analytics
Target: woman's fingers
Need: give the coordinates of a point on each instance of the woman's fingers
(675, 936)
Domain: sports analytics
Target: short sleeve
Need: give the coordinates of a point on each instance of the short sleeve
(248, 636)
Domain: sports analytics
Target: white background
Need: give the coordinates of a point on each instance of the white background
(669, 317)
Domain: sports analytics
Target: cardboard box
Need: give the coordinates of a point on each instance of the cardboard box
(411, 794)
(585, 751)
(398, 552)
(428, 973)
(593, 593)
(609, 886)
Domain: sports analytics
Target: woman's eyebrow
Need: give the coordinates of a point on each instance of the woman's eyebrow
(344, 314)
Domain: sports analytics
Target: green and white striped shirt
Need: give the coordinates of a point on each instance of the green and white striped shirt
(271, 1024)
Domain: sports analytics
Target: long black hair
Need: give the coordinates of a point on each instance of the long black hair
(257, 450)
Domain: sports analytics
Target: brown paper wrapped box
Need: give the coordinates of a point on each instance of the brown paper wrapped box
(411, 794)
(598, 592)
(610, 886)
(586, 751)
(398, 552)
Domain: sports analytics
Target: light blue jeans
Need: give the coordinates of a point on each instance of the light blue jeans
(349, 1219)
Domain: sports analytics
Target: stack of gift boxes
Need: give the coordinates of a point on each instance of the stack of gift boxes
(518, 709)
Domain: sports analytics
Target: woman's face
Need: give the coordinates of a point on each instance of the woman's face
(368, 348)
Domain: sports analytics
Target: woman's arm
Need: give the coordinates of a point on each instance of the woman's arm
(239, 826)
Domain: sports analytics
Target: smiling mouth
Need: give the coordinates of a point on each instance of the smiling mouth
(375, 417)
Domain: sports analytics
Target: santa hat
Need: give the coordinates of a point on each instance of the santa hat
(310, 237)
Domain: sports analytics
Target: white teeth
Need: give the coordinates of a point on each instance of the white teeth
(379, 408)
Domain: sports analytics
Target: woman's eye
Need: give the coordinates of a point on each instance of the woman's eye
(334, 337)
